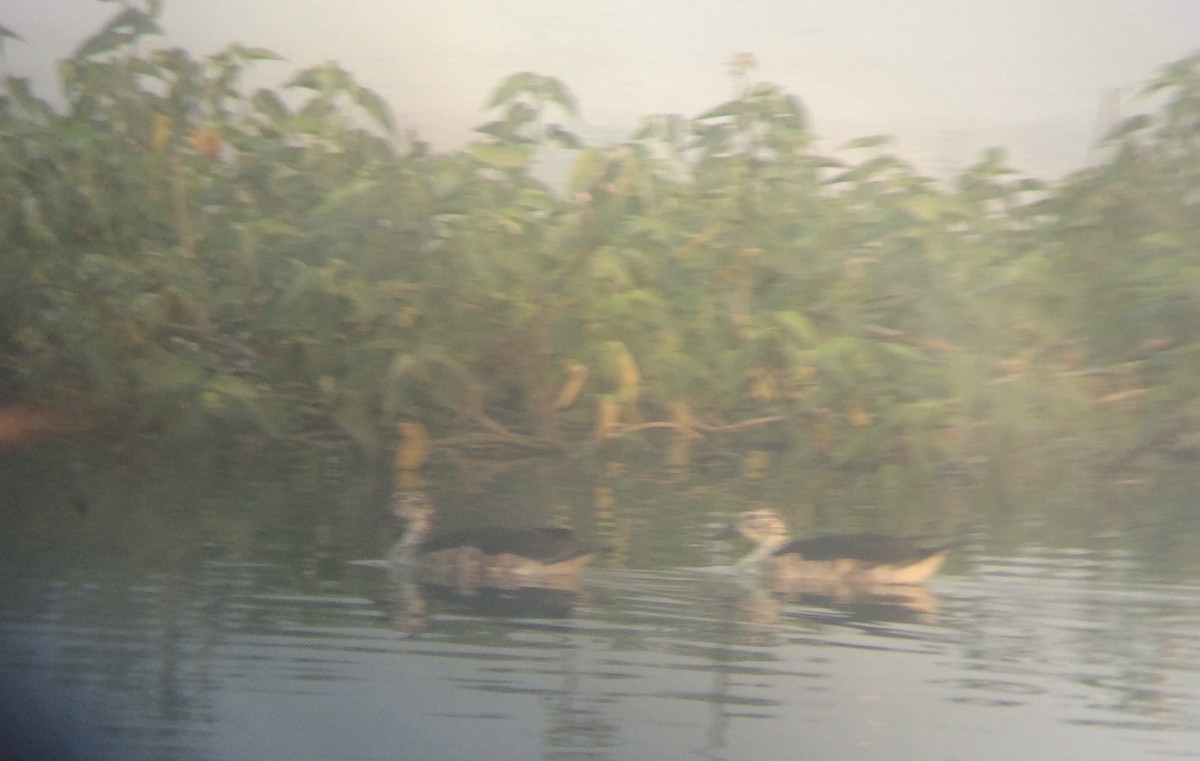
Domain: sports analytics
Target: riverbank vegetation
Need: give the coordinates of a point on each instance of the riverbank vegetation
(188, 257)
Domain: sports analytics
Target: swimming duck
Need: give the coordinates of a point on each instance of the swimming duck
(496, 557)
(867, 559)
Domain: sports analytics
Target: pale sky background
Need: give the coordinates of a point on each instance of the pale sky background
(947, 78)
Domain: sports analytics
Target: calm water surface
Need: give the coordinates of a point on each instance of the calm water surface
(201, 613)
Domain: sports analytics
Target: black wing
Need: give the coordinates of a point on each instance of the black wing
(544, 544)
(868, 548)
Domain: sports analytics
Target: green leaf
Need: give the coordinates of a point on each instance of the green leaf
(135, 23)
(499, 128)
(564, 138)
(270, 105)
(249, 399)
(537, 199)
(100, 43)
(274, 227)
(587, 170)
(925, 208)
(728, 108)
(517, 115)
(795, 108)
(799, 326)
(905, 352)
(307, 278)
(255, 54)
(21, 92)
(35, 222)
(306, 79)
(167, 374)
(377, 107)
(558, 93)
(869, 141)
(326, 79)
(358, 422)
(1128, 126)
(347, 195)
(123, 29)
(501, 156)
(512, 85)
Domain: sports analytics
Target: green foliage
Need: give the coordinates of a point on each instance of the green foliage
(189, 256)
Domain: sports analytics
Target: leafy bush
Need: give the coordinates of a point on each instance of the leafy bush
(188, 257)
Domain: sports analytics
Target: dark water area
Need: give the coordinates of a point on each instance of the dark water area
(240, 606)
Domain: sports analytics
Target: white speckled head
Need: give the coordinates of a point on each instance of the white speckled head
(766, 528)
(762, 527)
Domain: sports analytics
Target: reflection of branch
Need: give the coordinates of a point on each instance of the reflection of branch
(889, 334)
(498, 439)
(487, 422)
(652, 426)
(499, 435)
(695, 427)
(743, 425)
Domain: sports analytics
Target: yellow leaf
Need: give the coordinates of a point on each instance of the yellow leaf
(213, 401)
(608, 415)
(628, 379)
(762, 385)
(825, 434)
(408, 316)
(697, 240)
(577, 375)
(162, 131)
(587, 171)
(756, 463)
(858, 416)
(804, 373)
(603, 499)
(681, 412)
(409, 479)
(207, 142)
(1018, 363)
(414, 447)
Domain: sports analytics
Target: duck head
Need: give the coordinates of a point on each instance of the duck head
(766, 528)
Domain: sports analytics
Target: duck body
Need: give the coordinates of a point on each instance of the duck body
(866, 559)
(494, 557)
(546, 547)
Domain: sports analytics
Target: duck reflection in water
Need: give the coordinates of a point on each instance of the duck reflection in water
(497, 570)
(873, 575)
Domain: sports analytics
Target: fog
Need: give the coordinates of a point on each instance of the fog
(946, 78)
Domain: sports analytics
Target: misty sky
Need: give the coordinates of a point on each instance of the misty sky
(946, 77)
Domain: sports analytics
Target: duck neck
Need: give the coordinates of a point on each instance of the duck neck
(759, 554)
(405, 549)
(413, 536)
(401, 552)
(416, 528)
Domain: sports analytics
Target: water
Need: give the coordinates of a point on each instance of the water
(200, 613)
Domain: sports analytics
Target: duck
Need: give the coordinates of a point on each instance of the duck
(861, 559)
(491, 557)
